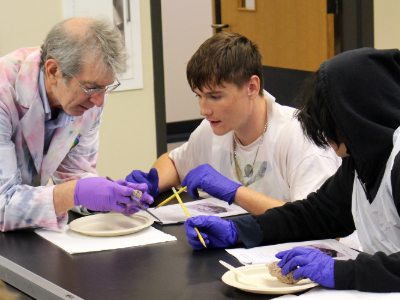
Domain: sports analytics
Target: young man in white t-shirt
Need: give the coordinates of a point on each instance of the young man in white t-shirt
(249, 148)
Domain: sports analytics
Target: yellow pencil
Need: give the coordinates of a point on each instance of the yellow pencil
(188, 215)
(172, 197)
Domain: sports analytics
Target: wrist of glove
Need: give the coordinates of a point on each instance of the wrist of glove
(151, 179)
(100, 194)
(212, 182)
(310, 263)
(216, 232)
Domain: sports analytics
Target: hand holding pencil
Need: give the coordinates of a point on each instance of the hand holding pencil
(188, 215)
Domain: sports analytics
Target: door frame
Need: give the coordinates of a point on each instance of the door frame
(158, 75)
(355, 24)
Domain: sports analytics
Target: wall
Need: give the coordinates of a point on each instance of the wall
(26, 23)
(186, 24)
(127, 134)
(386, 24)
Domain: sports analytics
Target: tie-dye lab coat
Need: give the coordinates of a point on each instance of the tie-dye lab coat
(25, 200)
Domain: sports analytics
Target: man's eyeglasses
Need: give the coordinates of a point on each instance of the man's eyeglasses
(94, 92)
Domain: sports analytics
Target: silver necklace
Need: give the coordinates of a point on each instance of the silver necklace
(248, 169)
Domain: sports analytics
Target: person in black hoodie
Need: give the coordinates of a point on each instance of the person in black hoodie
(352, 103)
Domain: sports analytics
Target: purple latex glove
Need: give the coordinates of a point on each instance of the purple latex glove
(151, 179)
(312, 264)
(100, 194)
(212, 182)
(216, 232)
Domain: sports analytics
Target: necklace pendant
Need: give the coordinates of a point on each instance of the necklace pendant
(248, 170)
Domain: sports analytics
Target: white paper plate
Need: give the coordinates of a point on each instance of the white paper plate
(111, 224)
(267, 284)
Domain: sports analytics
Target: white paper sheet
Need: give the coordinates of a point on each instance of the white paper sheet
(266, 254)
(73, 242)
(172, 214)
(319, 293)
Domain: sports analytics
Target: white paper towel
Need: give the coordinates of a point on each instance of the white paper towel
(73, 242)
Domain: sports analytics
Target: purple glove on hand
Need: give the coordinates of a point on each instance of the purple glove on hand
(312, 264)
(100, 194)
(151, 179)
(145, 200)
(212, 182)
(216, 232)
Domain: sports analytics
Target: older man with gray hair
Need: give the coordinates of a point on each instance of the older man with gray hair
(51, 101)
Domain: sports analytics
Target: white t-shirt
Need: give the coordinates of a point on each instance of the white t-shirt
(287, 167)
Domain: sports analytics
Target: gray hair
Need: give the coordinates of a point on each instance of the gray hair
(101, 39)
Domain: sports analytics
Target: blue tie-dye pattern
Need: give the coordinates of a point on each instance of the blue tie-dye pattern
(7, 198)
(31, 165)
(24, 210)
(27, 195)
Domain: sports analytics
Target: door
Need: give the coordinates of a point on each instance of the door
(291, 34)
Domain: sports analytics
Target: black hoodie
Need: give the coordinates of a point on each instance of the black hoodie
(362, 90)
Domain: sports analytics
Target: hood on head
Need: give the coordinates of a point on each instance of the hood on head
(362, 90)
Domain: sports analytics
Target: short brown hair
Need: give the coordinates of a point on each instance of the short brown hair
(225, 57)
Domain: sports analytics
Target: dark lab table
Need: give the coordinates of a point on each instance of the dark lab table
(171, 270)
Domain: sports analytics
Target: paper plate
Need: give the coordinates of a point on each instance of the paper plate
(267, 284)
(111, 224)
